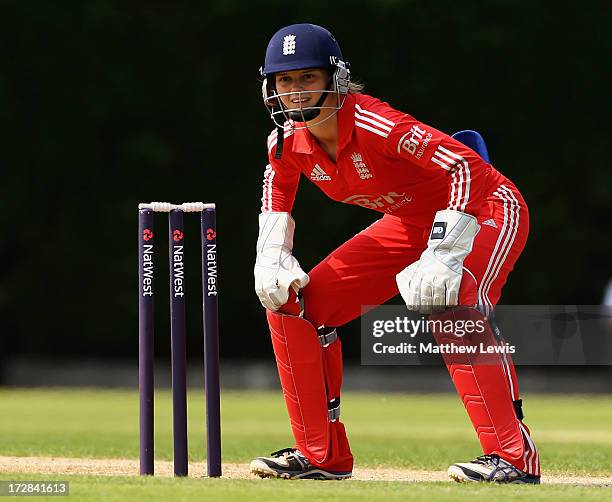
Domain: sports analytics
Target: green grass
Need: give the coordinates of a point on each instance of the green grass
(92, 488)
(391, 430)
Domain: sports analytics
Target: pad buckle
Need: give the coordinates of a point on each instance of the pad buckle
(327, 336)
(333, 409)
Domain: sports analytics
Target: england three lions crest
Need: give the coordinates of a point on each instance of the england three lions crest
(360, 166)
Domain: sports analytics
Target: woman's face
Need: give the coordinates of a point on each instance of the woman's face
(295, 81)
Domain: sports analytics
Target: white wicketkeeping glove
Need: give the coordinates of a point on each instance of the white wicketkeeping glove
(276, 270)
(432, 283)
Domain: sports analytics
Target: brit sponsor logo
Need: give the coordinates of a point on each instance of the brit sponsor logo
(389, 202)
(147, 265)
(415, 141)
(211, 266)
(289, 45)
(318, 174)
(360, 166)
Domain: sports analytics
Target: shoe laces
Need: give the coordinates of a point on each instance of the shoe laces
(291, 452)
(282, 453)
(487, 459)
(500, 468)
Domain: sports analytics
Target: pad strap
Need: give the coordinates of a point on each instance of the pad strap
(518, 409)
(333, 409)
(327, 336)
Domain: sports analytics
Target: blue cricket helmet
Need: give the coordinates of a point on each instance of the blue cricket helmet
(300, 46)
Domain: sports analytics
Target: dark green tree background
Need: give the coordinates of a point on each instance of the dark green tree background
(105, 103)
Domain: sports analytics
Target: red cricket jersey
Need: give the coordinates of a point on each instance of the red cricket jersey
(386, 161)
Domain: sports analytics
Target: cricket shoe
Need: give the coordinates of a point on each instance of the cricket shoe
(289, 463)
(491, 469)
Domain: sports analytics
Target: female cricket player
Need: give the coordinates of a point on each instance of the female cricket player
(451, 230)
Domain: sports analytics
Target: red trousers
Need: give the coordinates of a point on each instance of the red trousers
(362, 272)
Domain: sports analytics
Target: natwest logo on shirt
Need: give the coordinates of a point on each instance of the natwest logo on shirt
(318, 174)
(389, 202)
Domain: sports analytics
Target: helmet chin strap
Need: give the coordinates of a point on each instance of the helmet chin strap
(280, 136)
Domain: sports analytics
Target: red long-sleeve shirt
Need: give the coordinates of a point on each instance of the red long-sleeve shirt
(386, 161)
